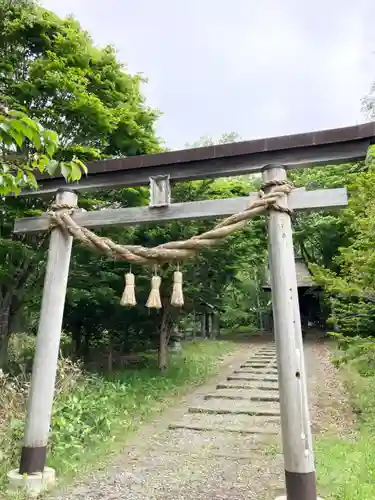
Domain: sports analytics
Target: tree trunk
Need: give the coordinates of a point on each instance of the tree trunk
(203, 325)
(194, 326)
(110, 355)
(215, 325)
(163, 350)
(164, 339)
(209, 324)
(4, 337)
(16, 321)
(86, 348)
(77, 343)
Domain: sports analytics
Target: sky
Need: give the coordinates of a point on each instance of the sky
(258, 68)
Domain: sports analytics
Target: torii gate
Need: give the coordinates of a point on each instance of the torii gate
(272, 157)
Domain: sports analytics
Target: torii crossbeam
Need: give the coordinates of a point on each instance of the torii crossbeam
(272, 157)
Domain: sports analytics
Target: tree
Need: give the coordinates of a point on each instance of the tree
(210, 141)
(51, 68)
(318, 236)
(26, 147)
(351, 282)
(337, 245)
(97, 284)
(51, 71)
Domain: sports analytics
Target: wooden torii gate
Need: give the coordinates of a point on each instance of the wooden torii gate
(273, 157)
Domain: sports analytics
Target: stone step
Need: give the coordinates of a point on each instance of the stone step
(220, 406)
(253, 377)
(258, 385)
(264, 371)
(246, 424)
(263, 361)
(258, 366)
(266, 359)
(264, 356)
(246, 394)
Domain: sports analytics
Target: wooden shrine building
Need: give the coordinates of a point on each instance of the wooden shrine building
(309, 296)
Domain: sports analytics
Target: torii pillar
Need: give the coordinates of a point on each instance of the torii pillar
(299, 464)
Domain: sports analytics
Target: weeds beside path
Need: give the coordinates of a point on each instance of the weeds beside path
(345, 448)
(93, 420)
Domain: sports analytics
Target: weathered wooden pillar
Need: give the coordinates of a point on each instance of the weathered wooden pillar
(33, 456)
(295, 420)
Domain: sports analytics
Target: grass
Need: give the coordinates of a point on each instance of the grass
(346, 467)
(229, 333)
(93, 420)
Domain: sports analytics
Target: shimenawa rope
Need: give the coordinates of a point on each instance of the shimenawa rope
(175, 251)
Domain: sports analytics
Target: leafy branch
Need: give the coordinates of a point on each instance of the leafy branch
(26, 148)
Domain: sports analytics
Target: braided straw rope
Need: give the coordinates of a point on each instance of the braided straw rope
(174, 251)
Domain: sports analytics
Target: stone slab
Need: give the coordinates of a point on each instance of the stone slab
(247, 424)
(258, 384)
(253, 377)
(255, 410)
(247, 394)
(264, 371)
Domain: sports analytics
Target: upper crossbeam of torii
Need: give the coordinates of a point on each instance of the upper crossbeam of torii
(273, 157)
(325, 147)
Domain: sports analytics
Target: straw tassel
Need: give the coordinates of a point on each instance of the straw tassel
(154, 301)
(128, 297)
(177, 299)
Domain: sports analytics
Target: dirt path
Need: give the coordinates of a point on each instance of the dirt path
(221, 442)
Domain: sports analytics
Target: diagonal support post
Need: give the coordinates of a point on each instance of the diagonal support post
(295, 421)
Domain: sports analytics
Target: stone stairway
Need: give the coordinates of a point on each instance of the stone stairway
(221, 442)
(247, 402)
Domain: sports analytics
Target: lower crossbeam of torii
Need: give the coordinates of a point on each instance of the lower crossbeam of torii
(333, 146)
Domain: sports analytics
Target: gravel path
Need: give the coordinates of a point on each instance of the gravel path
(222, 441)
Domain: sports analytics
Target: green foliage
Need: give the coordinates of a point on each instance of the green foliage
(210, 141)
(26, 147)
(345, 469)
(244, 304)
(52, 72)
(357, 351)
(211, 277)
(51, 68)
(346, 465)
(339, 245)
(94, 415)
(318, 236)
(352, 284)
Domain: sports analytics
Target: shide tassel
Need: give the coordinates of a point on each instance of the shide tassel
(154, 301)
(128, 297)
(177, 299)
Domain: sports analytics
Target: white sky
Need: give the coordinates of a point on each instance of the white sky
(258, 68)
